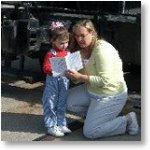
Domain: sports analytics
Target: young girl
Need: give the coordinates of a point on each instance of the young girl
(55, 92)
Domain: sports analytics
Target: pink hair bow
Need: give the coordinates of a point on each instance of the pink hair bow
(56, 25)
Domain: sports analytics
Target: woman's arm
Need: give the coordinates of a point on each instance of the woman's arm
(104, 65)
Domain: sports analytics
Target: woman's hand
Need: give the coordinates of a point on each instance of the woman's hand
(75, 75)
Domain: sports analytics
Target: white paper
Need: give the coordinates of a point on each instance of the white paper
(61, 64)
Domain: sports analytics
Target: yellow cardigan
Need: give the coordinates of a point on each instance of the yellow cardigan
(105, 70)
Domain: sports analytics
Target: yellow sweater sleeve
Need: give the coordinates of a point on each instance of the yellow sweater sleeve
(104, 58)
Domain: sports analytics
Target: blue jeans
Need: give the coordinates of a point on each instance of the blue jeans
(101, 112)
(54, 101)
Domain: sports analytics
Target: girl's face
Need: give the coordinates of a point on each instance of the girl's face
(83, 37)
(60, 44)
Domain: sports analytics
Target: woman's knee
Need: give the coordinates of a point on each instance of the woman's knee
(92, 132)
(69, 103)
(87, 132)
(69, 107)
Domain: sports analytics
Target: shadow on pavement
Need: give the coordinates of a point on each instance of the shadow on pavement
(15, 122)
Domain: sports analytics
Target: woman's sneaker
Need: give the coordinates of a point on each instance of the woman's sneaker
(55, 130)
(133, 127)
(64, 129)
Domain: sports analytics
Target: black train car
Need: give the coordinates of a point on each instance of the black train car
(24, 27)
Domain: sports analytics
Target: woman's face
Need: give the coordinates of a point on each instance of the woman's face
(83, 37)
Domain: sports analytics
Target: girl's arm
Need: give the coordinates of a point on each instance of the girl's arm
(46, 64)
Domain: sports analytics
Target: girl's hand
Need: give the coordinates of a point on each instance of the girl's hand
(75, 75)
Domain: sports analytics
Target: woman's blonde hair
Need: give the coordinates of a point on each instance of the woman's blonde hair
(88, 24)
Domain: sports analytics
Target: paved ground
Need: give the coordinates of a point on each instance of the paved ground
(21, 110)
(21, 115)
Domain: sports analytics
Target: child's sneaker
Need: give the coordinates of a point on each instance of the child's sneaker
(64, 129)
(56, 131)
(133, 127)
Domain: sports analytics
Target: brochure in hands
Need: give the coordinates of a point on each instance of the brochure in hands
(70, 61)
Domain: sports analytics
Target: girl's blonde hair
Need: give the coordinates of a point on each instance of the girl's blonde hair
(89, 26)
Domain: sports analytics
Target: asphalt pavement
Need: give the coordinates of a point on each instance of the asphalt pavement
(21, 110)
(22, 120)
